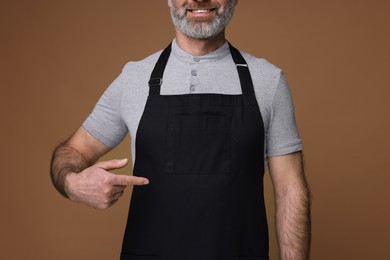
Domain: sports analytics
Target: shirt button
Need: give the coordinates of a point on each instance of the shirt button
(196, 59)
(192, 88)
(194, 72)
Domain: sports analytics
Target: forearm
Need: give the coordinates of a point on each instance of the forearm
(293, 222)
(65, 160)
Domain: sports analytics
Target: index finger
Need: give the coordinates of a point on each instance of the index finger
(129, 180)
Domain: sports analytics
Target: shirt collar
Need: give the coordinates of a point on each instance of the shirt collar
(212, 56)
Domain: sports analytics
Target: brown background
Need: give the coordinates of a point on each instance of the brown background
(57, 57)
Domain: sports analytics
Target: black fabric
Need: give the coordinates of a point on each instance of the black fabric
(158, 71)
(139, 257)
(203, 155)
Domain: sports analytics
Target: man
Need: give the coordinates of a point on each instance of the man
(202, 116)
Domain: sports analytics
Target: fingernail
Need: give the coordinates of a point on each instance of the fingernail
(146, 181)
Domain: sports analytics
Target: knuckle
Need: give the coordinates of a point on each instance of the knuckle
(132, 180)
(106, 193)
(115, 161)
(107, 180)
(106, 203)
(98, 165)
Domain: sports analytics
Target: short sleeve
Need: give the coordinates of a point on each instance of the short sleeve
(282, 135)
(105, 122)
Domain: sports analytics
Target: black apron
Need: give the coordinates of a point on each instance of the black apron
(204, 157)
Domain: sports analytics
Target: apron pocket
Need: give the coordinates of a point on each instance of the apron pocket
(198, 144)
(125, 256)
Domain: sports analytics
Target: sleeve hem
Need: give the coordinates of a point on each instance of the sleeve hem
(287, 149)
(95, 133)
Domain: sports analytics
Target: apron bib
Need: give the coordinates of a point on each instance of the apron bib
(204, 157)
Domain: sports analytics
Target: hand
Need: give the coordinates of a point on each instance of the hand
(97, 187)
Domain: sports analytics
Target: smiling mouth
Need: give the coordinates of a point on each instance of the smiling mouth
(201, 11)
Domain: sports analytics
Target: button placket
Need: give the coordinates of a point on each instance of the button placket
(194, 74)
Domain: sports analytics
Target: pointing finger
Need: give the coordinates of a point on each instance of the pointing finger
(130, 180)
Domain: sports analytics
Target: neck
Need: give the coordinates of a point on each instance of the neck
(199, 47)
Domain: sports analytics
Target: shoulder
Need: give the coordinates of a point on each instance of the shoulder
(266, 77)
(261, 69)
(141, 66)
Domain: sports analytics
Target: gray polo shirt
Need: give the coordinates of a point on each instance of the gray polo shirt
(120, 108)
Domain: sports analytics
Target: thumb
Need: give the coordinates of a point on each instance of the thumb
(112, 164)
(129, 180)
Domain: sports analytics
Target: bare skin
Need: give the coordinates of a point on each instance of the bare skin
(76, 174)
(292, 199)
(197, 47)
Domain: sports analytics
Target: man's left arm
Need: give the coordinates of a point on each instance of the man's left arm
(292, 200)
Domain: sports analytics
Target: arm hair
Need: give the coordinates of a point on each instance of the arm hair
(65, 160)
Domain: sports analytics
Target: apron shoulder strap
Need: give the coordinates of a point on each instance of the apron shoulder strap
(155, 80)
(244, 75)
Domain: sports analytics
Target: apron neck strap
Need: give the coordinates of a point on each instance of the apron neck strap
(244, 75)
(155, 80)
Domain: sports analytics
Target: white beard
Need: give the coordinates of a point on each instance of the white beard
(201, 29)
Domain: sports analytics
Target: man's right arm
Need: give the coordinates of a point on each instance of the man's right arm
(77, 176)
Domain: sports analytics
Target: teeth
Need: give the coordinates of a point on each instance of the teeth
(200, 11)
